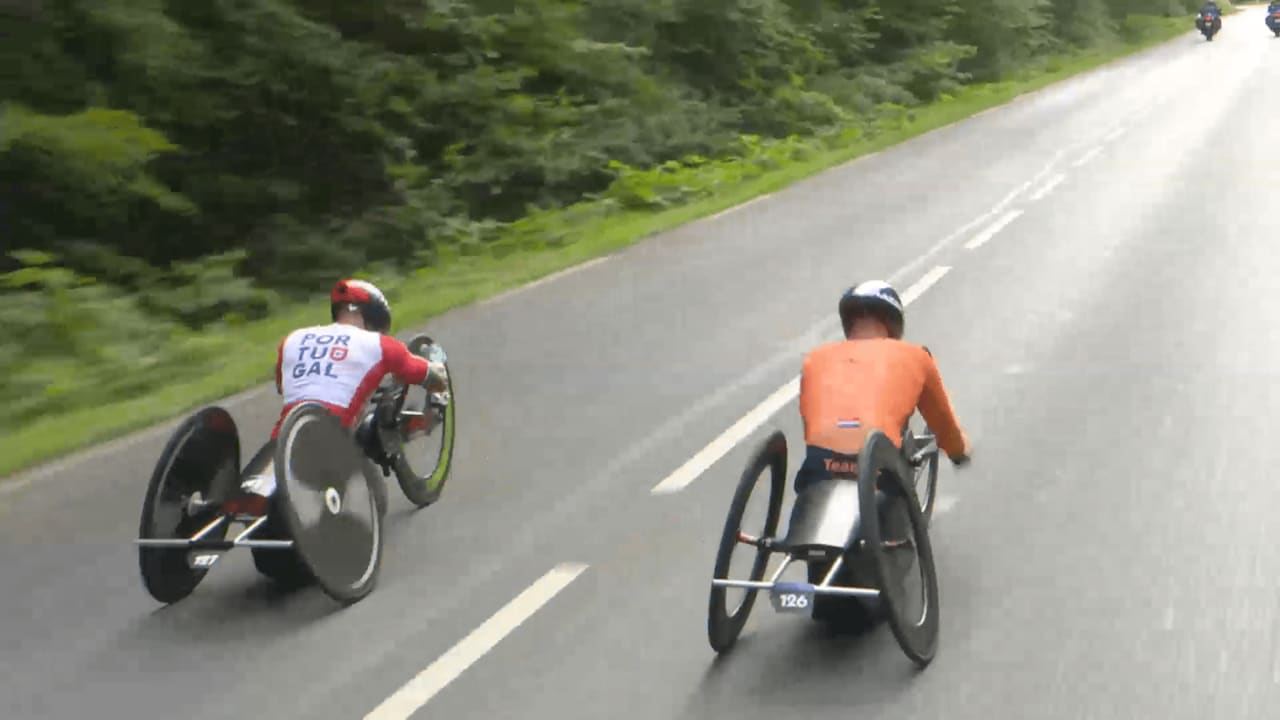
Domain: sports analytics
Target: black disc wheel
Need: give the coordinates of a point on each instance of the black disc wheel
(198, 464)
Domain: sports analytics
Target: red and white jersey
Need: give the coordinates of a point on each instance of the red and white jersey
(340, 366)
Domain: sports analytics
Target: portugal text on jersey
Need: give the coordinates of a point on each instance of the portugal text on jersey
(340, 366)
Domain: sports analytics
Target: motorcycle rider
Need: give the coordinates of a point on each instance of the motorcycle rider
(339, 365)
(1210, 8)
(872, 380)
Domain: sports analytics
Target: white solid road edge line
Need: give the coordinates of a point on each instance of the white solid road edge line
(544, 280)
(694, 467)
(739, 206)
(418, 691)
(991, 230)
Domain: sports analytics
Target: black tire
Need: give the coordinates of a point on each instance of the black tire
(882, 468)
(842, 615)
(282, 567)
(724, 627)
(420, 486)
(925, 474)
(200, 459)
(328, 503)
(378, 486)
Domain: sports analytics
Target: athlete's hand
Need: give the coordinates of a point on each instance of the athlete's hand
(437, 379)
(966, 454)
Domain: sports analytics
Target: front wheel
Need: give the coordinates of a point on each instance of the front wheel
(926, 472)
(422, 465)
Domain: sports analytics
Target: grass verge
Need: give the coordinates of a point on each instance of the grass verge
(581, 233)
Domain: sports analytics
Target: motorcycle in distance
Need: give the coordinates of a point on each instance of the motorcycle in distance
(1209, 25)
(1273, 18)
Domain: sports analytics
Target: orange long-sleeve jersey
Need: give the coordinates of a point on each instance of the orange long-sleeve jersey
(851, 387)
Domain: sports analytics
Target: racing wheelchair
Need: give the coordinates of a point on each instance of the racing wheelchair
(858, 563)
(323, 522)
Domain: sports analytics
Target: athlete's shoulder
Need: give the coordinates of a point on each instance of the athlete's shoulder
(391, 343)
(825, 350)
(897, 345)
(917, 354)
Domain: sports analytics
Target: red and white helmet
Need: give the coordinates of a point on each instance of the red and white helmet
(365, 298)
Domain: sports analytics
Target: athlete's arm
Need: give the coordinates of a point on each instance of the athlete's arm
(279, 364)
(806, 395)
(936, 408)
(407, 367)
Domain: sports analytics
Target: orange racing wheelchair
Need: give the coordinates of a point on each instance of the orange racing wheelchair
(861, 566)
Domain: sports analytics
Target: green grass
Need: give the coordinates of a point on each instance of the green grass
(584, 232)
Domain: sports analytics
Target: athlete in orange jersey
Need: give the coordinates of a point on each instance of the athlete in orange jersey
(872, 380)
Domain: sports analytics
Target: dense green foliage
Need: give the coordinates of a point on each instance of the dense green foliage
(168, 165)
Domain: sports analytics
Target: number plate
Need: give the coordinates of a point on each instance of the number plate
(792, 597)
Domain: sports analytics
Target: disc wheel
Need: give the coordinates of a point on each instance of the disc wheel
(723, 625)
(897, 540)
(199, 462)
(327, 503)
(424, 428)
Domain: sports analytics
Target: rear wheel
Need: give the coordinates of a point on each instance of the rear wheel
(723, 624)
(327, 504)
(184, 495)
(897, 541)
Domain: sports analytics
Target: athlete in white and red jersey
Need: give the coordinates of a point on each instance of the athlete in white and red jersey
(341, 364)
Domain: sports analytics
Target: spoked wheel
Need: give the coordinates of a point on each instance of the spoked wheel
(199, 463)
(898, 541)
(327, 503)
(424, 431)
(926, 471)
(724, 625)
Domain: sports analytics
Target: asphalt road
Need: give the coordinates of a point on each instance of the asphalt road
(1103, 321)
